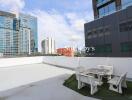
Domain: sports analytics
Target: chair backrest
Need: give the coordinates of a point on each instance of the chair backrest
(79, 70)
(108, 67)
(87, 79)
(121, 78)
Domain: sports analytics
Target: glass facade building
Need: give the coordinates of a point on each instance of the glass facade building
(29, 24)
(8, 34)
(18, 35)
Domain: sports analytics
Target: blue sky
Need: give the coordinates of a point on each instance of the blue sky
(62, 20)
(60, 5)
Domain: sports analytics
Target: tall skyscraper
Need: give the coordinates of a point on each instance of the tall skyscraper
(9, 30)
(28, 28)
(18, 35)
(48, 46)
(110, 32)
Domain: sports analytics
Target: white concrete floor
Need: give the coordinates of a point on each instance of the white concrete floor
(36, 82)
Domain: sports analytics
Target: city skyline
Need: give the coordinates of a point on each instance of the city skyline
(64, 21)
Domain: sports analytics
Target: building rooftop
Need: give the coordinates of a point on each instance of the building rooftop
(36, 82)
(7, 14)
(44, 77)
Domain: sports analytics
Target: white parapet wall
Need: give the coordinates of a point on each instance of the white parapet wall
(8, 62)
(121, 65)
(68, 62)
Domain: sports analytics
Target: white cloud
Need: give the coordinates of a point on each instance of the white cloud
(77, 21)
(75, 38)
(12, 5)
(53, 24)
(67, 29)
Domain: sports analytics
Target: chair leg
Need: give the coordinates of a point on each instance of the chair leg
(79, 84)
(99, 77)
(120, 89)
(124, 84)
(94, 89)
(100, 80)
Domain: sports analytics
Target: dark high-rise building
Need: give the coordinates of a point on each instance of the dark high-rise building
(111, 31)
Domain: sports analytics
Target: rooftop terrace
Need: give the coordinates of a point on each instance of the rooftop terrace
(42, 78)
(36, 82)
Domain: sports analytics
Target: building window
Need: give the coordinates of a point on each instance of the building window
(107, 9)
(89, 35)
(112, 8)
(101, 12)
(107, 31)
(102, 1)
(126, 26)
(107, 48)
(126, 3)
(126, 47)
(95, 34)
(98, 32)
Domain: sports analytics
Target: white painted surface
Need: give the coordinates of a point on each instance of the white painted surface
(6, 62)
(11, 77)
(36, 82)
(71, 62)
(120, 65)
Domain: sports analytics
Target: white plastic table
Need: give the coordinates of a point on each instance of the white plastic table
(96, 71)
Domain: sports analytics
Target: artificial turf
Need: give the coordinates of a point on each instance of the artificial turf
(103, 91)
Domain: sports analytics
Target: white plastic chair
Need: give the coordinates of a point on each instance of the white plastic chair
(83, 70)
(117, 83)
(109, 68)
(79, 70)
(88, 79)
